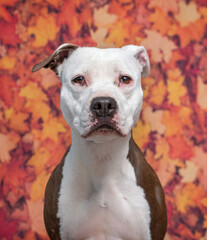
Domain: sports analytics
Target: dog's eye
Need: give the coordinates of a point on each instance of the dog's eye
(79, 80)
(125, 79)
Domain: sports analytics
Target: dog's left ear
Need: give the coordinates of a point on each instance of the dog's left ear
(53, 61)
(140, 53)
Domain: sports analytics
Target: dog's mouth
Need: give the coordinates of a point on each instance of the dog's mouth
(104, 128)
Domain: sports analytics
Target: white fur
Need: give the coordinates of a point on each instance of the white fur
(99, 196)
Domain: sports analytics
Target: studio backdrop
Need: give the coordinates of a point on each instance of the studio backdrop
(172, 131)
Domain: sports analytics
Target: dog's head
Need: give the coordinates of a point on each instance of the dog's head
(101, 94)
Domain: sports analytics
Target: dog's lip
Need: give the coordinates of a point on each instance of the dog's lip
(104, 127)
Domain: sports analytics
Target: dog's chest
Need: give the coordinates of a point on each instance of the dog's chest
(116, 208)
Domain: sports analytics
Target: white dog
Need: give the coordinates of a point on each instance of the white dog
(103, 188)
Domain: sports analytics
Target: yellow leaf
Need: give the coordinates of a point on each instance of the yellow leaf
(39, 159)
(33, 91)
(38, 186)
(121, 32)
(158, 93)
(161, 47)
(7, 62)
(189, 195)
(44, 31)
(51, 129)
(175, 90)
(171, 121)
(187, 13)
(141, 133)
(39, 109)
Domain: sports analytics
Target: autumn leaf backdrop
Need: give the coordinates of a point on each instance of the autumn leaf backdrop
(172, 131)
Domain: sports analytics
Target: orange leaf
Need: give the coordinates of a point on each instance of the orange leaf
(158, 93)
(121, 33)
(18, 122)
(44, 31)
(179, 148)
(176, 90)
(160, 21)
(38, 186)
(141, 133)
(39, 160)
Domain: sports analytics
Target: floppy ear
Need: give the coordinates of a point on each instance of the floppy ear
(140, 53)
(53, 61)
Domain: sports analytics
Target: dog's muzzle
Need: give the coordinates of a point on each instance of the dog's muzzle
(104, 121)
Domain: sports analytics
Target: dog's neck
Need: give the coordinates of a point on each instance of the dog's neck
(101, 161)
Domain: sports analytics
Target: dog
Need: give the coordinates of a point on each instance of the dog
(103, 188)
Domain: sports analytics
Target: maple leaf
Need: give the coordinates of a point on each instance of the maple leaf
(158, 93)
(7, 62)
(8, 143)
(74, 15)
(102, 18)
(51, 129)
(187, 13)
(161, 47)
(123, 30)
(179, 148)
(166, 6)
(33, 91)
(39, 159)
(189, 173)
(17, 121)
(6, 93)
(160, 21)
(185, 199)
(193, 32)
(154, 119)
(36, 216)
(38, 186)
(45, 30)
(38, 112)
(176, 90)
(141, 133)
(8, 32)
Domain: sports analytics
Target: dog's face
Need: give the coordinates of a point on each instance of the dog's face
(101, 94)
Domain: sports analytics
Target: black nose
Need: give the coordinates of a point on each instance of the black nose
(103, 107)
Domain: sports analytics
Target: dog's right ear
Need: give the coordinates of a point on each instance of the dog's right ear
(53, 61)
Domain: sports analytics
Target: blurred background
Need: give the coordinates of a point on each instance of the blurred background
(172, 130)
